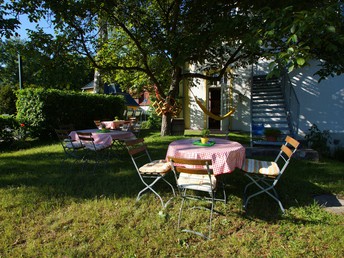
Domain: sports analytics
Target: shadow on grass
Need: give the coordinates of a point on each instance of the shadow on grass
(46, 174)
(41, 171)
(296, 188)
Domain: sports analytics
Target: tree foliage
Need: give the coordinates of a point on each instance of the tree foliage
(47, 62)
(7, 100)
(152, 41)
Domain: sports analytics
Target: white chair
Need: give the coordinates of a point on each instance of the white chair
(265, 174)
(195, 176)
(150, 173)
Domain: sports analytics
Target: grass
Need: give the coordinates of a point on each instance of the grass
(53, 208)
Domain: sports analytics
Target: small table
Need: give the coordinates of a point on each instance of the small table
(225, 155)
(113, 124)
(105, 138)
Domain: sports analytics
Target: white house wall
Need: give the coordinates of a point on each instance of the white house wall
(197, 117)
(320, 103)
(241, 83)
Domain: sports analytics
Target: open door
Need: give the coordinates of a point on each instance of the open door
(215, 107)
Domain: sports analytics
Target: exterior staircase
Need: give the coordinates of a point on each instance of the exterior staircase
(268, 106)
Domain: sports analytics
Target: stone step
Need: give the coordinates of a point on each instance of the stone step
(272, 87)
(269, 114)
(267, 101)
(266, 92)
(267, 97)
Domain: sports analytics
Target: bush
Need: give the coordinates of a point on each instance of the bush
(46, 109)
(153, 122)
(7, 100)
(318, 140)
(339, 154)
(8, 125)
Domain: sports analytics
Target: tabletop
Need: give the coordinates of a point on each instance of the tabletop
(103, 137)
(226, 155)
(113, 124)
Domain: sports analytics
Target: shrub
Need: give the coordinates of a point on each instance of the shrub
(339, 154)
(46, 109)
(153, 122)
(8, 125)
(7, 100)
(318, 140)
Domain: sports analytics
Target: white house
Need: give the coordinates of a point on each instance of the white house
(318, 103)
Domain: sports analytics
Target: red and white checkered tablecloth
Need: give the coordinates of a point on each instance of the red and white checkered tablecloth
(105, 138)
(225, 155)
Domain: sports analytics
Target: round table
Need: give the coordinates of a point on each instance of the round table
(225, 155)
(100, 137)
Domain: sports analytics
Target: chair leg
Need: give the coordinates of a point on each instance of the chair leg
(180, 211)
(211, 215)
(266, 190)
(184, 197)
(149, 187)
(174, 193)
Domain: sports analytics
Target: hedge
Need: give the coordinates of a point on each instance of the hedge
(45, 109)
(8, 125)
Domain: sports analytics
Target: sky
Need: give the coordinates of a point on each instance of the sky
(26, 24)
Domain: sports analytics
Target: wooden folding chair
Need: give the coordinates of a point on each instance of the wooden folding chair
(91, 146)
(265, 174)
(69, 146)
(195, 176)
(97, 123)
(150, 173)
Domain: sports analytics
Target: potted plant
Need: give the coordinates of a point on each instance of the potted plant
(205, 136)
(102, 127)
(271, 134)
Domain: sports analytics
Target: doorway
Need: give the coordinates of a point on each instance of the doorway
(215, 107)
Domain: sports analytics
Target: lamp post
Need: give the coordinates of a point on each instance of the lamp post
(20, 71)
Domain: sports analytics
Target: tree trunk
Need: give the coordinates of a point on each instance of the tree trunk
(166, 124)
(103, 37)
(96, 81)
(172, 93)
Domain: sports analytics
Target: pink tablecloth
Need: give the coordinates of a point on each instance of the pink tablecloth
(225, 155)
(105, 138)
(113, 124)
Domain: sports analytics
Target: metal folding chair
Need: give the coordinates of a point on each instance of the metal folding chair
(195, 176)
(97, 123)
(265, 174)
(150, 173)
(97, 148)
(69, 146)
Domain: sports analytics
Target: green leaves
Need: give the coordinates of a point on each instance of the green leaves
(300, 61)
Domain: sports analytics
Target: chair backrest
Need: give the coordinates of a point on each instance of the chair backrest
(65, 140)
(287, 150)
(126, 126)
(86, 139)
(138, 152)
(97, 123)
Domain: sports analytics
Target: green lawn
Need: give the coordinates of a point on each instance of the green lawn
(50, 208)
